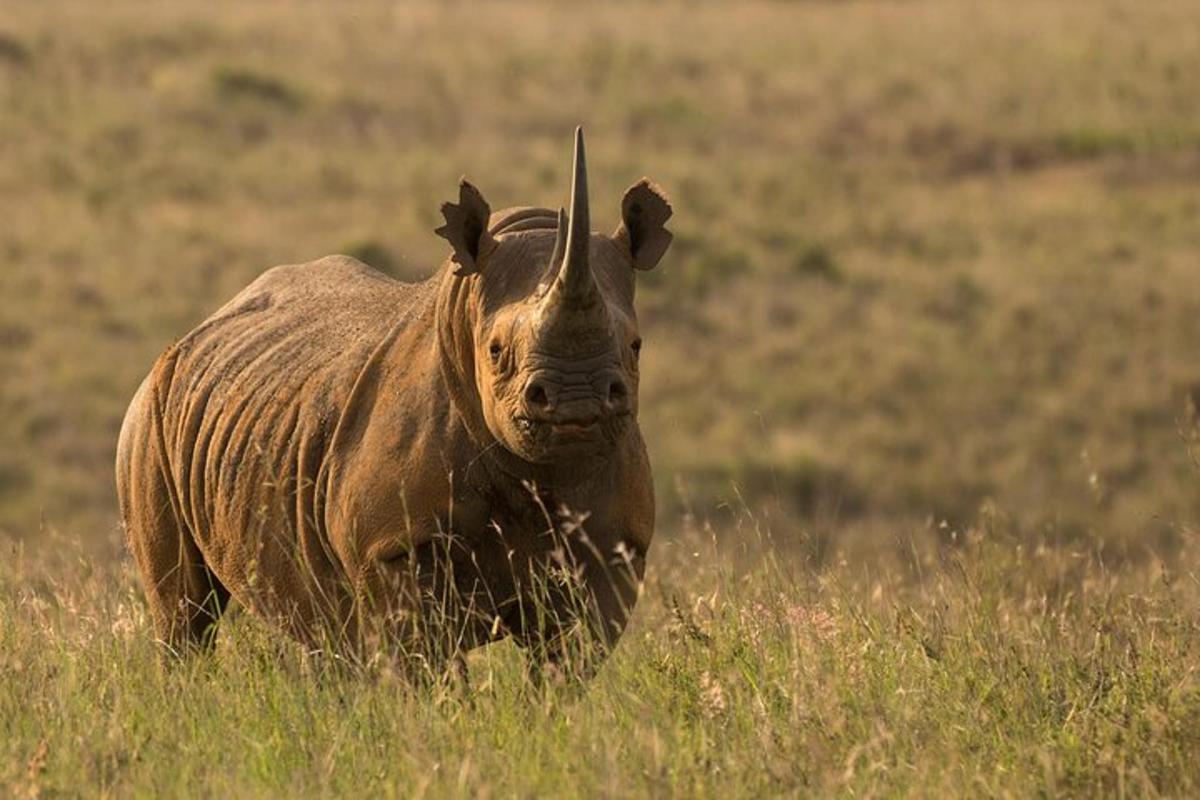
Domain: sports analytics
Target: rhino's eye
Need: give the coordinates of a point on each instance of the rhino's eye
(636, 347)
(495, 350)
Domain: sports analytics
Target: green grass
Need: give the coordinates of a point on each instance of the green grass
(984, 662)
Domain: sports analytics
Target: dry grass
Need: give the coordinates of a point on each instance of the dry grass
(988, 663)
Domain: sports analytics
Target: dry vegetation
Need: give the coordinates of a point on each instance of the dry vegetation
(997, 667)
(933, 316)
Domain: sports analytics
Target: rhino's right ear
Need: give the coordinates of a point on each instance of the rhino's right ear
(644, 211)
(466, 228)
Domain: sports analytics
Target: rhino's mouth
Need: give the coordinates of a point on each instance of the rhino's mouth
(566, 436)
(575, 427)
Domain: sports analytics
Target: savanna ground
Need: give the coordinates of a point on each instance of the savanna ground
(920, 383)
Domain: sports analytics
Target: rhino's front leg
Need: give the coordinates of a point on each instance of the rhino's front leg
(387, 611)
(583, 606)
(426, 606)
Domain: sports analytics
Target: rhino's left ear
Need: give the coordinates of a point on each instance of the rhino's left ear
(644, 211)
(466, 228)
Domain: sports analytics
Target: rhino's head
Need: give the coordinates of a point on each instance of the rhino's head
(554, 339)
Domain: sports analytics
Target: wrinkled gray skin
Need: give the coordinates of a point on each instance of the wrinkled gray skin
(368, 463)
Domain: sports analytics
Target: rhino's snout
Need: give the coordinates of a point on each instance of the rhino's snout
(564, 399)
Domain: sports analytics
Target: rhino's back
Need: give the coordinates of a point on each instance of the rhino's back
(248, 404)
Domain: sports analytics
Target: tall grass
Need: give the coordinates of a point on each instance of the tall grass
(981, 663)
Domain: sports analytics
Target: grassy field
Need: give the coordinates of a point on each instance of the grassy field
(997, 667)
(932, 321)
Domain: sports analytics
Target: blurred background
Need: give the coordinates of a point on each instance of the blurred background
(937, 264)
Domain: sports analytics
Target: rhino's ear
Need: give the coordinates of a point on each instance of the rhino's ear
(644, 211)
(466, 228)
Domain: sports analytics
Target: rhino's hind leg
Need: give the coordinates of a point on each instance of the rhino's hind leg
(185, 598)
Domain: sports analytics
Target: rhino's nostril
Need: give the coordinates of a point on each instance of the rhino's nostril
(535, 395)
(617, 394)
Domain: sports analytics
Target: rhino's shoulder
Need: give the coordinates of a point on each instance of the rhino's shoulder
(334, 284)
(340, 273)
(334, 307)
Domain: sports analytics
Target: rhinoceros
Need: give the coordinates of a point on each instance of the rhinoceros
(430, 466)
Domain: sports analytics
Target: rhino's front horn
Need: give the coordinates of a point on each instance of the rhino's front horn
(575, 286)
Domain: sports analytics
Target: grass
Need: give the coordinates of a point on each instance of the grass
(982, 662)
(234, 84)
(933, 260)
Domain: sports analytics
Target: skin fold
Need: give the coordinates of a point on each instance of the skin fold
(418, 467)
